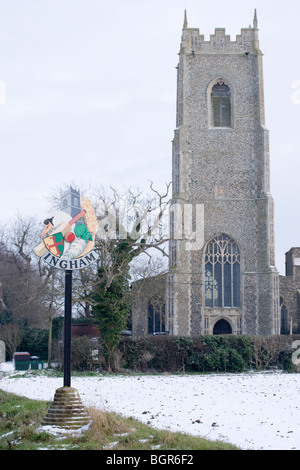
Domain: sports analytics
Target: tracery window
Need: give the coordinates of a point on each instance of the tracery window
(221, 105)
(222, 273)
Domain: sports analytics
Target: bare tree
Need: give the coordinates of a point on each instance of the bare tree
(133, 221)
(24, 282)
(11, 334)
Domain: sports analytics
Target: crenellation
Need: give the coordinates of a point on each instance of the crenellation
(220, 43)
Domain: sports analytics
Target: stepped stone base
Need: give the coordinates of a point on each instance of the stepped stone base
(67, 410)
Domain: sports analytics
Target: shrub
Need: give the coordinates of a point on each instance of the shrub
(35, 341)
(206, 353)
(285, 361)
(82, 358)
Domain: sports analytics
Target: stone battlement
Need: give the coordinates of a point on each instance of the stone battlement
(220, 42)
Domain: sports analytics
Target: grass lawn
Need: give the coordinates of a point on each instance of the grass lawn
(20, 429)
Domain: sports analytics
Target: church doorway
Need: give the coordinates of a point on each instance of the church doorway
(222, 327)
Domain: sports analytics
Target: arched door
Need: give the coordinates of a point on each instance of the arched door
(222, 327)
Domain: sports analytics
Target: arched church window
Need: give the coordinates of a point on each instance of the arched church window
(221, 105)
(284, 317)
(222, 273)
(156, 318)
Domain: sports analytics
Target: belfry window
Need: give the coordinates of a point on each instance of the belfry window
(222, 273)
(221, 105)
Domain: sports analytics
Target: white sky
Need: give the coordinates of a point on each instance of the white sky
(91, 96)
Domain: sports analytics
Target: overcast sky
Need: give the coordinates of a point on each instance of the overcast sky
(91, 96)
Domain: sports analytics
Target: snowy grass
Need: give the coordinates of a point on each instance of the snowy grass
(257, 410)
(21, 429)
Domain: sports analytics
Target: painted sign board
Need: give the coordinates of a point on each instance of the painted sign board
(76, 263)
(67, 243)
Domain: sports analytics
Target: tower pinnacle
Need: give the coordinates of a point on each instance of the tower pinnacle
(255, 23)
(185, 24)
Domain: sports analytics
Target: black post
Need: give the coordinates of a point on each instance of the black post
(67, 329)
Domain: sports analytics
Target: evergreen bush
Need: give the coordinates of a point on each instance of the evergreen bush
(35, 341)
(206, 353)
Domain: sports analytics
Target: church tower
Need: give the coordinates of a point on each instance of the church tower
(229, 284)
(70, 202)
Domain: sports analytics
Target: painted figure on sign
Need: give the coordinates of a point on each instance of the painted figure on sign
(67, 240)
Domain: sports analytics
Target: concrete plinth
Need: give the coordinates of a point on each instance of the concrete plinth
(67, 410)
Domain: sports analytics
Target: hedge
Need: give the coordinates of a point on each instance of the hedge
(226, 353)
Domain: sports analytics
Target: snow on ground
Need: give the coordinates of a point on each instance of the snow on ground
(252, 411)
